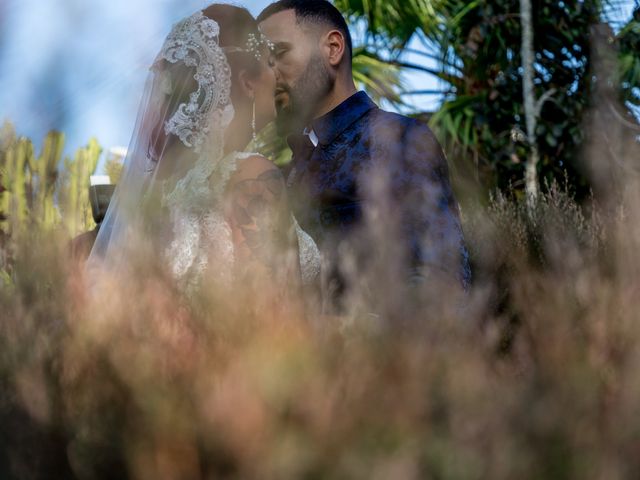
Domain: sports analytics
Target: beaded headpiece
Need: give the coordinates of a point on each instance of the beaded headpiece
(254, 45)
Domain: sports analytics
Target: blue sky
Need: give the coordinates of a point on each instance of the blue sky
(79, 66)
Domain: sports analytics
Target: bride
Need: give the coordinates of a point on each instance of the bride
(213, 211)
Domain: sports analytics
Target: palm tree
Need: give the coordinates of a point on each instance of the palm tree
(629, 41)
(477, 48)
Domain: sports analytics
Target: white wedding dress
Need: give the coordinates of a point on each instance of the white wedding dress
(202, 236)
(178, 149)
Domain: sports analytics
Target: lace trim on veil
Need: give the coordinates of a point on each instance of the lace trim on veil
(194, 41)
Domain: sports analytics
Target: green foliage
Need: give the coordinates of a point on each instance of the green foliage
(380, 79)
(114, 170)
(477, 45)
(629, 41)
(29, 183)
(37, 192)
(272, 146)
(113, 166)
(74, 188)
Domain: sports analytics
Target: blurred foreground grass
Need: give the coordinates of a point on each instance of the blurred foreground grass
(535, 377)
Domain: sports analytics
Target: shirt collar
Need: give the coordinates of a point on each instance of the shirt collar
(332, 124)
(312, 136)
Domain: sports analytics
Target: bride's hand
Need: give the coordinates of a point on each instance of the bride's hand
(264, 237)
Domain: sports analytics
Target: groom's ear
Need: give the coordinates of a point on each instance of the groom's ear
(335, 47)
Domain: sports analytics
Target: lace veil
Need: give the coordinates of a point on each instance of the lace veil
(177, 144)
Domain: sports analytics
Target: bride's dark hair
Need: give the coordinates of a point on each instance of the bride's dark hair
(236, 25)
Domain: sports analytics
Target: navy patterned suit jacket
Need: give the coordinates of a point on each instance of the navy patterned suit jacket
(364, 154)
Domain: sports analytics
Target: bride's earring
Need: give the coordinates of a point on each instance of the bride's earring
(253, 122)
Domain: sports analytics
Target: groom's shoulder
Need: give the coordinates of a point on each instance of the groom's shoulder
(395, 118)
(402, 129)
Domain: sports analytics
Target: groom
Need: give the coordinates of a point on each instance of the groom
(354, 163)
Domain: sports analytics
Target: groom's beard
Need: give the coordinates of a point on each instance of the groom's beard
(304, 97)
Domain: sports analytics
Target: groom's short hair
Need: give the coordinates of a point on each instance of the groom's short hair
(313, 11)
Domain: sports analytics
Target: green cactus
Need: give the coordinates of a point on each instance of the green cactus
(113, 167)
(15, 177)
(30, 184)
(47, 170)
(35, 194)
(75, 205)
(7, 137)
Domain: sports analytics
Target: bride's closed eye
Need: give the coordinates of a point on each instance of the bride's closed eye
(280, 50)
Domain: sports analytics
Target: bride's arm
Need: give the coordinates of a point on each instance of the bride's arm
(265, 241)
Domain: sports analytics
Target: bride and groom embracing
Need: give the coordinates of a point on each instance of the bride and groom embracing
(218, 214)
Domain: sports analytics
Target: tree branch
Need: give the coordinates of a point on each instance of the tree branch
(542, 100)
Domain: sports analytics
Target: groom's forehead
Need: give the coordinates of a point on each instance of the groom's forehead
(284, 27)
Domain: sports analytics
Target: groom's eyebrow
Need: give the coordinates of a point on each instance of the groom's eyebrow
(283, 45)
